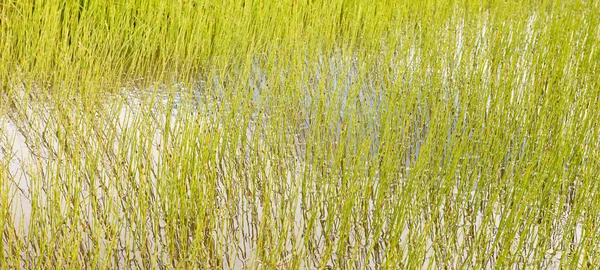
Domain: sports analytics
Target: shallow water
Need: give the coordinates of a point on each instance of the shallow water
(14, 148)
(239, 237)
(240, 208)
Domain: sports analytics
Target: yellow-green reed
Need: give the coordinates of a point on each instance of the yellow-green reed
(340, 134)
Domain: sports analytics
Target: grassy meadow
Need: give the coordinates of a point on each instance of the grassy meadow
(299, 134)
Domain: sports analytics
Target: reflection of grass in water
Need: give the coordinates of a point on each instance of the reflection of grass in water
(343, 134)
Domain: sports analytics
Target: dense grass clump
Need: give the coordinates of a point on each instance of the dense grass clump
(290, 134)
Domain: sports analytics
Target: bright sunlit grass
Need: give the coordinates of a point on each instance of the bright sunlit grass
(338, 134)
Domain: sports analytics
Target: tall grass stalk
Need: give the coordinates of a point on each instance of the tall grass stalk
(341, 134)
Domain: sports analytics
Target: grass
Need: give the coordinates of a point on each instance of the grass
(297, 135)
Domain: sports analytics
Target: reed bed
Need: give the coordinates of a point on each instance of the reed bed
(342, 134)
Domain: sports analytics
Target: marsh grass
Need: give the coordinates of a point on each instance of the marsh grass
(287, 135)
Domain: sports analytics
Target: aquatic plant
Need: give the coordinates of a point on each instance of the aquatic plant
(299, 134)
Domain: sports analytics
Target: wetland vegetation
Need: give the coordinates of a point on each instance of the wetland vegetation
(341, 134)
